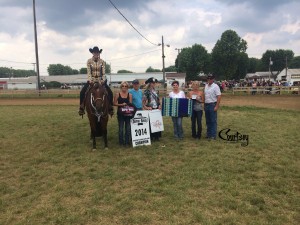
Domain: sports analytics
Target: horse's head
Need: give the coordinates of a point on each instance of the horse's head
(99, 98)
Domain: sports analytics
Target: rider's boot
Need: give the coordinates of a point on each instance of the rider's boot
(111, 110)
(81, 110)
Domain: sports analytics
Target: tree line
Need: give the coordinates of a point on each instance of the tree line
(6, 72)
(227, 60)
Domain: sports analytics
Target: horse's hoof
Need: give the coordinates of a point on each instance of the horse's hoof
(106, 148)
(93, 150)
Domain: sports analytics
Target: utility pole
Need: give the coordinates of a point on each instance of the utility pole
(286, 68)
(271, 63)
(178, 49)
(163, 58)
(36, 51)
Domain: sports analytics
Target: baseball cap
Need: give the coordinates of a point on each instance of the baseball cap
(136, 81)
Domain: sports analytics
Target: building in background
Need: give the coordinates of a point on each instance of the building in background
(291, 76)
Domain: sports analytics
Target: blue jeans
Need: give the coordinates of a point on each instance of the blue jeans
(211, 120)
(124, 120)
(197, 118)
(177, 124)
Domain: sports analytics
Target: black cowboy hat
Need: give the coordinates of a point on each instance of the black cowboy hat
(95, 49)
(210, 76)
(151, 80)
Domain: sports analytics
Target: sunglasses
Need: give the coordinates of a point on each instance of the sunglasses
(124, 86)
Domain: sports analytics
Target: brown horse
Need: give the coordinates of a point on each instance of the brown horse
(97, 105)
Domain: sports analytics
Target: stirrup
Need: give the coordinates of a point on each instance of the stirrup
(81, 111)
(111, 111)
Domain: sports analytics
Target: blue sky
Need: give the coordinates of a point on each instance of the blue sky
(68, 28)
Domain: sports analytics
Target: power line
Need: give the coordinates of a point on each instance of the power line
(3, 60)
(133, 55)
(130, 23)
(127, 57)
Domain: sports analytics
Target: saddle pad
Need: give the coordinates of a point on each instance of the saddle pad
(177, 107)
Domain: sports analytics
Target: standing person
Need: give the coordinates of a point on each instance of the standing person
(177, 121)
(96, 73)
(151, 101)
(123, 98)
(212, 96)
(254, 86)
(137, 95)
(197, 97)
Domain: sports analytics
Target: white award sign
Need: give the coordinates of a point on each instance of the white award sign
(140, 131)
(156, 121)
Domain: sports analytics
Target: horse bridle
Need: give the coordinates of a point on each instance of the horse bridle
(93, 102)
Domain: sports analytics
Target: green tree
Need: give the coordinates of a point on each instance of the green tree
(83, 71)
(171, 69)
(107, 68)
(51, 84)
(295, 63)
(75, 71)
(192, 61)
(59, 69)
(278, 59)
(124, 71)
(151, 70)
(6, 72)
(226, 53)
(242, 66)
(254, 65)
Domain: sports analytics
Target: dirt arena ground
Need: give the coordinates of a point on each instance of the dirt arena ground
(266, 101)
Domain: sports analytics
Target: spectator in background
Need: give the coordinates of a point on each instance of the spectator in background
(137, 95)
(254, 87)
(197, 97)
(212, 96)
(177, 121)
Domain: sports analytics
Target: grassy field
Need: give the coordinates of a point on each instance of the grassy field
(50, 176)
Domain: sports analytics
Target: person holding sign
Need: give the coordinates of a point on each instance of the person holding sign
(151, 101)
(125, 112)
(197, 97)
(177, 121)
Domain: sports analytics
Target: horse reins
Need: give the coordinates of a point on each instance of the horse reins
(93, 101)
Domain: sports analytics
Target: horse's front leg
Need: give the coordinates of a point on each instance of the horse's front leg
(94, 143)
(105, 138)
(93, 138)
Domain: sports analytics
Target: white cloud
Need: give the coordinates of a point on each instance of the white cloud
(291, 28)
(65, 39)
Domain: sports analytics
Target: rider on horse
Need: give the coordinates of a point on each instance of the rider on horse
(96, 73)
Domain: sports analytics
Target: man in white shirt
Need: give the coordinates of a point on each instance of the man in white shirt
(212, 98)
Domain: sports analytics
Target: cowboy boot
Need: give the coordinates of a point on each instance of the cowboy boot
(111, 110)
(81, 110)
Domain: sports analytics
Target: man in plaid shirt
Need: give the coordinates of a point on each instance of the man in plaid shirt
(96, 73)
